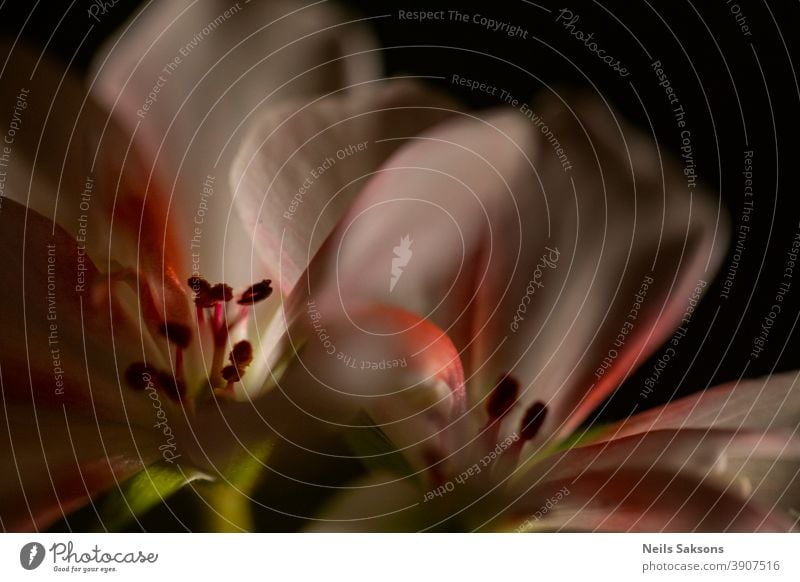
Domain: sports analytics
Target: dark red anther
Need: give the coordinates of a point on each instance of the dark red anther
(171, 386)
(241, 354)
(177, 333)
(221, 293)
(198, 284)
(433, 460)
(502, 397)
(532, 421)
(140, 376)
(232, 374)
(256, 292)
(207, 295)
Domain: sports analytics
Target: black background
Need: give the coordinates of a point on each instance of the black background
(729, 84)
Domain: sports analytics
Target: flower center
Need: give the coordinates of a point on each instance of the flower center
(501, 401)
(212, 359)
(495, 455)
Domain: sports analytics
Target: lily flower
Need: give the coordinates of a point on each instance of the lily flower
(133, 313)
(241, 231)
(491, 286)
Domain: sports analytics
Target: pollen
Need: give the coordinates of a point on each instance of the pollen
(207, 345)
(176, 333)
(240, 357)
(532, 421)
(141, 376)
(256, 292)
(208, 295)
(502, 397)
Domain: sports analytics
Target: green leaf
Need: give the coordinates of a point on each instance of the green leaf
(579, 438)
(229, 498)
(141, 493)
(374, 449)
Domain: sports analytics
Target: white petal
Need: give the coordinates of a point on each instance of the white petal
(55, 461)
(715, 471)
(188, 78)
(501, 227)
(768, 403)
(302, 165)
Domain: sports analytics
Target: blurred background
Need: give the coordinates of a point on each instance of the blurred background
(731, 63)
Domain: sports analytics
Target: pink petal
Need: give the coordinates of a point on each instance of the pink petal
(70, 164)
(444, 193)
(54, 123)
(302, 165)
(490, 208)
(65, 341)
(58, 460)
(215, 68)
(691, 480)
(769, 403)
(405, 374)
(630, 501)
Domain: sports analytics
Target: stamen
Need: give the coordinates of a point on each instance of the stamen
(242, 354)
(140, 375)
(240, 357)
(215, 323)
(177, 333)
(218, 316)
(171, 386)
(232, 374)
(503, 397)
(256, 292)
(532, 421)
(207, 295)
(198, 284)
(179, 364)
(501, 400)
(433, 460)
